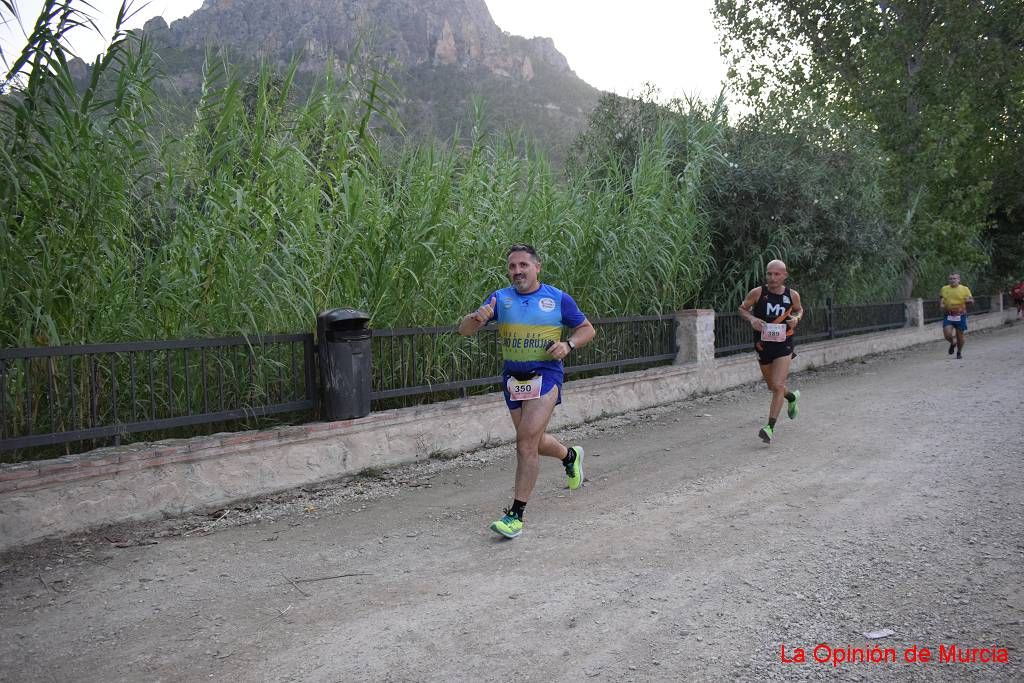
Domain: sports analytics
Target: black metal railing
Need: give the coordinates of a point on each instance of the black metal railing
(422, 360)
(818, 323)
(57, 395)
(734, 335)
(626, 342)
(437, 361)
(932, 310)
(94, 395)
(982, 304)
(849, 320)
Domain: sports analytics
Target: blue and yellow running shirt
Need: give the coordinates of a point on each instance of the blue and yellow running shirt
(527, 323)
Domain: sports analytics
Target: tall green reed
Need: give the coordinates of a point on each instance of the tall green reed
(72, 181)
(273, 205)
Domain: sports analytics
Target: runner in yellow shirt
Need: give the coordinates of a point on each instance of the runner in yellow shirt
(954, 298)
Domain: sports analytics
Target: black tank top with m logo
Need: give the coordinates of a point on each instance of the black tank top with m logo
(773, 308)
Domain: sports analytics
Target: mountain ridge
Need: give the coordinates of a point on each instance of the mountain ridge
(441, 53)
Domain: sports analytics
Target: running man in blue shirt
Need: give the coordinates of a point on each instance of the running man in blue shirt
(530, 318)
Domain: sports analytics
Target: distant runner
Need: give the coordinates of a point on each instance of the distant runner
(530, 319)
(1018, 298)
(954, 298)
(774, 311)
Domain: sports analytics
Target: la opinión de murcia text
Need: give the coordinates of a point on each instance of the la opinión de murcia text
(840, 655)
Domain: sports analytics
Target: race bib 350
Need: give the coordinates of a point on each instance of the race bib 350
(524, 390)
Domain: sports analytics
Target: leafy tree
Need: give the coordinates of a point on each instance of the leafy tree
(1007, 231)
(816, 203)
(935, 79)
(618, 128)
(810, 194)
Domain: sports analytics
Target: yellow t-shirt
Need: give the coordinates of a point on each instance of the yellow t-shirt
(954, 299)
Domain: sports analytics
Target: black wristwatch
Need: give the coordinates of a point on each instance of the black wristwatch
(572, 347)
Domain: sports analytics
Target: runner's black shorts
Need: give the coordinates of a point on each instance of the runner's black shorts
(769, 351)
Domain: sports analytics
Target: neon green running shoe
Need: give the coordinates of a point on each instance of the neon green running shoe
(766, 433)
(508, 526)
(574, 471)
(791, 409)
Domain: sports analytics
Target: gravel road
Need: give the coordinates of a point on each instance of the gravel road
(694, 552)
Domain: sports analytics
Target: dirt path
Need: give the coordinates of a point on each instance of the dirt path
(694, 552)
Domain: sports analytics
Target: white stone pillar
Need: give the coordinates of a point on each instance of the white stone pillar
(997, 302)
(695, 336)
(915, 312)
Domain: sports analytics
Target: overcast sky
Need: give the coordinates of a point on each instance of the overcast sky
(615, 45)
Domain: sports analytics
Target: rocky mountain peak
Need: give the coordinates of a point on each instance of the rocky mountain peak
(442, 54)
(410, 32)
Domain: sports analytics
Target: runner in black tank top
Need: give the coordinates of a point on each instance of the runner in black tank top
(773, 311)
(773, 308)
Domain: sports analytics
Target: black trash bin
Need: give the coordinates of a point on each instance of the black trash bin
(344, 344)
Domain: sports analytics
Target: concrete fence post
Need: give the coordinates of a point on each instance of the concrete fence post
(915, 312)
(997, 303)
(695, 336)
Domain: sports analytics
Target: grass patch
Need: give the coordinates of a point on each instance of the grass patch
(444, 455)
(373, 473)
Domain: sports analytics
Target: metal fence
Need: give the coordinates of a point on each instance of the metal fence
(56, 395)
(94, 395)
(626, 342)
(733, 334)
(932, 310)
(817, 323)
(849, 320)
(422, 360)
(982, 304)
(437, 361)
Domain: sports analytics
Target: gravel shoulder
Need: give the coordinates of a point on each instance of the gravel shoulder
(694, 552)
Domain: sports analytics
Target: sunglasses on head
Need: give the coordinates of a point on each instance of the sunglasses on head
(521, 247)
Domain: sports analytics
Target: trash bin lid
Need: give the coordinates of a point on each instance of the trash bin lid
(343, 319)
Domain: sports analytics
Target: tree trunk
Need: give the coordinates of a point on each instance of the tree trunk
(908, 282)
